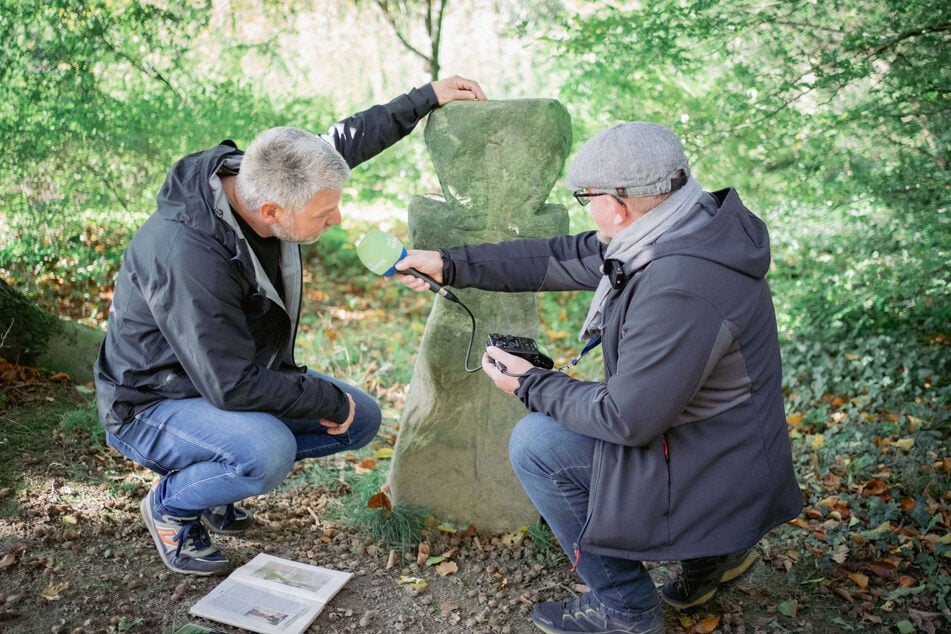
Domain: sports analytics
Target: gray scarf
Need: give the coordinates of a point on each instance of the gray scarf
(635, 241)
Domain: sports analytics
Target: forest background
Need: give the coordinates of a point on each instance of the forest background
(831, 119)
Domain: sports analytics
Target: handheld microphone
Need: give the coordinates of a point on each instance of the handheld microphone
(380, 252)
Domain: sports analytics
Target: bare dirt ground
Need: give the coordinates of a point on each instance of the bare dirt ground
(75, 557)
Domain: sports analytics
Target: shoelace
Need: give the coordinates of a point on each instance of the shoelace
(579, 607)
(194, 532)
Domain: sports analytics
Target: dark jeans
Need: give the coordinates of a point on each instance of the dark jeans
(554, 466)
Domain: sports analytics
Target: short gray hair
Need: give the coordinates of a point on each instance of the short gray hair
(287, 166)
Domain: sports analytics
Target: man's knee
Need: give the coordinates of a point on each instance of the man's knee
(366, 426)
(268, 460)
(528, 440)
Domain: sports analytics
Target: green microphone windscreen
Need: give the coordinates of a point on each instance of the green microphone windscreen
(379, 251)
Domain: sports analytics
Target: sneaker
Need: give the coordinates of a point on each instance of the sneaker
(700, 578)
(227, 519)
(183, 542)
(586, 614)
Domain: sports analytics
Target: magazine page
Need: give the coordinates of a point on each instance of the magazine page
(312, 583)
(257, 609)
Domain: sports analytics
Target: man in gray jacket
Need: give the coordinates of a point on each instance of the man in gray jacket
(196, 378)
(682, 452)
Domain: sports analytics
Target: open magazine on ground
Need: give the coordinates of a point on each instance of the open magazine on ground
(271, 595)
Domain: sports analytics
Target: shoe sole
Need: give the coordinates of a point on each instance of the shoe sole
(751, 558)
(159, 544)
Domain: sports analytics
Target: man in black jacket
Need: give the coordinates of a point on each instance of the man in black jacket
(682, 452)
(196, 378)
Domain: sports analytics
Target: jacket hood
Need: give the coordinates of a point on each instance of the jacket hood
(185, 196)
(723, 231)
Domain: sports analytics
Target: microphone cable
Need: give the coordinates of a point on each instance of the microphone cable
(441, 290)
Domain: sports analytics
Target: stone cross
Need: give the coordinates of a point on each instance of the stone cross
(496, 162)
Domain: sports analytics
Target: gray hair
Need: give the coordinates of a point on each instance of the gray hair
(287, 166)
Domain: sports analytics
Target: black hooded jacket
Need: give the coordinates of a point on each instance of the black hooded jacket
(194, 315)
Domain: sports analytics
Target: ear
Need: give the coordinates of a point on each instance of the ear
(620, 216)
(270, 212)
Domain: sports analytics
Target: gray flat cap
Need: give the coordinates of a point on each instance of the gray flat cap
(637, 156)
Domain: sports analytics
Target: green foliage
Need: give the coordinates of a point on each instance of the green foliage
(797, 105)
(85, 422)
(399, 528)
(860, 273)
(547, 550)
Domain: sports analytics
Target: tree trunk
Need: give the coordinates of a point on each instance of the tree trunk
(31, 336)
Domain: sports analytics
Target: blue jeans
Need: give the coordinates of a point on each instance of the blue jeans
(210, 457)
(554, 466)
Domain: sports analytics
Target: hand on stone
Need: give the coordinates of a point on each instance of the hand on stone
(504, 369)
(428, 262)
(457, 88)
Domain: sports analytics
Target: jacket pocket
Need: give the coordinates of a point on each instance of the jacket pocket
(629, 505)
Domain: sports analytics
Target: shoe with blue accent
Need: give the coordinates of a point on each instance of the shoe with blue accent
(587, 614)
(183, 542)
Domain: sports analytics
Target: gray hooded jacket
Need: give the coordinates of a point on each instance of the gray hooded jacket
(193, 313)
(693, 456)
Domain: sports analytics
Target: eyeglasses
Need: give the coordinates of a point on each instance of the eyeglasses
(584, 198)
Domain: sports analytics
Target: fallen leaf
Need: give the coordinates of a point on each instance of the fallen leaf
(788, 608)
(415, 582)
(707, 625)
(859, 579)
(905, 627)
(380, 500)
(840, 553)
(8, 560)
(422, 553)
(383, 453)
(842, 592)
(905, 581)
(874, 487)
(69, 519)
(905, 444)
(447, 568)
(793, 420)
(369, 464)
(51, 592)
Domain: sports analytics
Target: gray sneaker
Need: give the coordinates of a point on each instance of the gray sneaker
(227, 519)
(183, 542)
(586, 614)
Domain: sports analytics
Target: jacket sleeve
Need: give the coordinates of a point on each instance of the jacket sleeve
(563, 263)
(195, 298)
(365, 134)
(668, 341)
